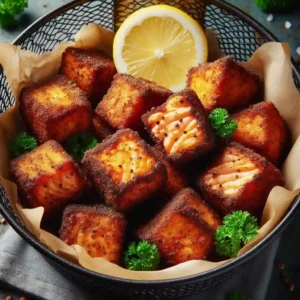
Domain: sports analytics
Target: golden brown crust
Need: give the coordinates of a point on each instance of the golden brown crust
(56, 110)
(98, 229)
(204, 139)
(183, 230)
(176, 181)
(262, 129)
(49, 177)
(101, 129)
(224, 83)
(108, 165)
(128, 99)
(239, 179)
(92, 70)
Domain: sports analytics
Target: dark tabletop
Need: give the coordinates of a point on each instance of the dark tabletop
(288, 255)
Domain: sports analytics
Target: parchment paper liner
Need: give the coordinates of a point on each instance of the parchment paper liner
(271, 62)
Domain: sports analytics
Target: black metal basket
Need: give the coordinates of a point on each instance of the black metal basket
(239, 36)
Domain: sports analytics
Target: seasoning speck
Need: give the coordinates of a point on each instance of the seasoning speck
(284, 278)
(288, 25)
(281, 266)
(270, 18)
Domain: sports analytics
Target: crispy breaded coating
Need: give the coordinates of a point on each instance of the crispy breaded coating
(124, 169)
(183, 230)
(128, 99)
(91, 70)
(176, 181)
(262, 129)
(101, 129)
(239, 179)
(224, 83)
(98, 229)
(49, 177)
(181, 127)
(56, 110)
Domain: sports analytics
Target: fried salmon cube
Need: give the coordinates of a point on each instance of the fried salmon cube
(262, 129)
(181, 127)
(49, 177)
(101, 129)
(98, 229)
(128, 99)
(56, 110)
(239, 179)
(183, 230)
(91, 70)
(124, 170)
(176, 181)
(224, 83)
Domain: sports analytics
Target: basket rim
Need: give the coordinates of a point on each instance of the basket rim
(44, 250)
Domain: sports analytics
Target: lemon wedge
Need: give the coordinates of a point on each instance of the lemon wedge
(160, 43)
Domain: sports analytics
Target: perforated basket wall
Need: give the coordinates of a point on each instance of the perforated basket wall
(239, 36)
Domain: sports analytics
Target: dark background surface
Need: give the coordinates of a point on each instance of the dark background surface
(289, 250)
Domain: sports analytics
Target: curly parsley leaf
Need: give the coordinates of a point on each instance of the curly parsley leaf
(222, 124)
(24, 143)
(238, 229)
(78, 144)
(142, 256)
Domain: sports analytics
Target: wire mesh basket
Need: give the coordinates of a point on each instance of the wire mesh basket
(238, 35)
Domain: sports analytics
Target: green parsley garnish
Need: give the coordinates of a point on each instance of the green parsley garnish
(237, 296)
(142, 256)
(221, 122)
(9, 9)
(238, 229)
(275, 5)
(78, 144)
(22, 144)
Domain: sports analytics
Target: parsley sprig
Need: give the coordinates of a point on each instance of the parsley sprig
(275, 5)
(24, 143)
(142, 256)
(221, 122)
(9, 9)
(237, 296)
(78, 144)
(238, 229)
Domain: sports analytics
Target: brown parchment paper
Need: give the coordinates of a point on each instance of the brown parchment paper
(271, 62)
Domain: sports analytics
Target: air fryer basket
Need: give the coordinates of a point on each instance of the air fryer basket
(239, 36)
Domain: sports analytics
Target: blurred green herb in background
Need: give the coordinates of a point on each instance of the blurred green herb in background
(9, 9)
(275, 5)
